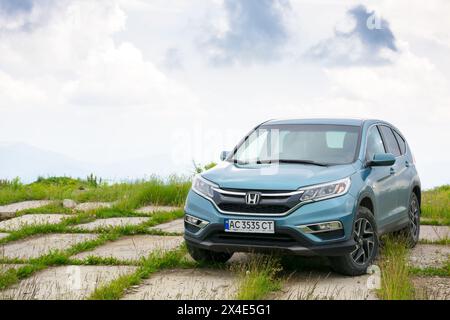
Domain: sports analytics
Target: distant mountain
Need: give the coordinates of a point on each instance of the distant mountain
(28, 162)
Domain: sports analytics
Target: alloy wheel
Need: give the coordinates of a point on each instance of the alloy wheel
(364, 236)
(414, 217)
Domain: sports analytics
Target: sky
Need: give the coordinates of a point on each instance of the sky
(129, 88)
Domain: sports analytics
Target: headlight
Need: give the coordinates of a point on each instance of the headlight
(325, 191)
(203, 186)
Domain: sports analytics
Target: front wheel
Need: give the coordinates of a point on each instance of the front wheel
(361, 257)
(411, 232)
(203, 255)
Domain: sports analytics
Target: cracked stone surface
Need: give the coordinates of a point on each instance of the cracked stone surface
(429, 255)
(31, 219)
(329, 286)
(432, 288)
(186, 284)
(3, 235)
(175, 226)
(111, 223)
(37, 246)
(8, 211)
(434, 233)
(65, 282)
(133, 248)
(153, 209)
(87, 206)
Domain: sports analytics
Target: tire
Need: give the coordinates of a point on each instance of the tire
(365, 234)
(410, 234)
(203, 255)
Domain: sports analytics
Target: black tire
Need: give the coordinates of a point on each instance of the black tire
(410, 234)
(203, 255)
(365, 234)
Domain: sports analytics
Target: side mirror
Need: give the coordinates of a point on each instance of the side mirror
(382, 160)
(224, 155)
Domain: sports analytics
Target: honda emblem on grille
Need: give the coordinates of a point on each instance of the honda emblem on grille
(252, 198)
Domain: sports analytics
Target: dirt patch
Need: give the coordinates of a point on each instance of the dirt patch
(434, 288)
(31, 219)
(37, 246)
(66, 282)
(189, 284)
(428, 255)
(133, 248)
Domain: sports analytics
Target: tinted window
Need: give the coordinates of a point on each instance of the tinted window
(389, 139)
(401, 142)
(374, 143)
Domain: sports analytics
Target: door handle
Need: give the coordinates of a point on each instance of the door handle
(392, 171)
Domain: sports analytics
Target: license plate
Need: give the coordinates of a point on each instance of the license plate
(249, 226)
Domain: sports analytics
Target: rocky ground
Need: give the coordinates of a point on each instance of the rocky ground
(98, 265)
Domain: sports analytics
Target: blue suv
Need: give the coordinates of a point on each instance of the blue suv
(327, 187)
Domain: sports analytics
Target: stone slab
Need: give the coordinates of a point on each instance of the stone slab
(329, 286)
(65, 282)
(186, 284)
(133, 248)
(174, 226)
(9, 210)
(429, 255)
(37, 246)
(434, 233)
(153, 209)
(31, 219)
(87, 206)
(111, 223)
(432, 288)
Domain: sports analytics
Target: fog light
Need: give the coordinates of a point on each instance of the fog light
(199, 223)
(321, 227)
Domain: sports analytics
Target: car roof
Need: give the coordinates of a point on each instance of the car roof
(335, 121)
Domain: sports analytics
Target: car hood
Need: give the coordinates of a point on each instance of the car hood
(274, 176)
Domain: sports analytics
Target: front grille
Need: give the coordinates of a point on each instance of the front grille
(243, 208)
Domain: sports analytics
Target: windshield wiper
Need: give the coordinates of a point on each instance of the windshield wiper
(303, 162)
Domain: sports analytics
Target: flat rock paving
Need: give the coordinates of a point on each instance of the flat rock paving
(186, 284)
(31, 219)
(37, 246)
(432, 288)
(87, 206)
(3, 235)
(175, 226)
(8, 211)
(153, 209)
(434, 233)
(65, 282)
(328, 286)
(133, 248)
(111, 223)
(429, 255)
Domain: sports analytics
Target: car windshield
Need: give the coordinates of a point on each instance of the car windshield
(306, 143)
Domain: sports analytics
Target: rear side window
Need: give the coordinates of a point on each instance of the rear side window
(389, 139)
(374, 143)
(401, 142)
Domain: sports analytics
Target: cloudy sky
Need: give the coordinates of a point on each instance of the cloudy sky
(146, 86)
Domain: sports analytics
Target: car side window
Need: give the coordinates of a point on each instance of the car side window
(401, 142)
(374, 143)
(389, 139)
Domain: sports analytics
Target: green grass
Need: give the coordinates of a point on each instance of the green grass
(443, 271)
(436, 206)
(155, 262)
(395, 273)
(55, 207)
(129, 195)
(258, 277)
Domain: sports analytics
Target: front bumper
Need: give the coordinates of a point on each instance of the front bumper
(287, 238)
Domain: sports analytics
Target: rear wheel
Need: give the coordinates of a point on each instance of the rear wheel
(411, 232)
(361, 257)
(203, 255)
